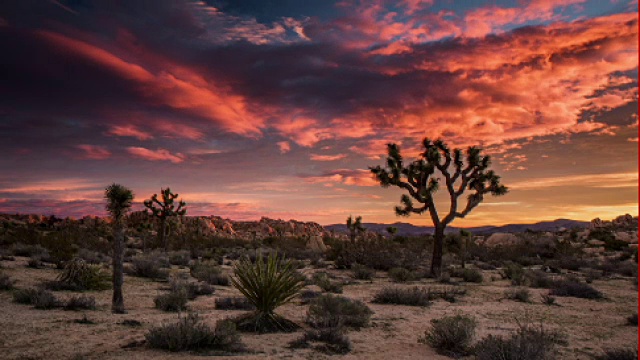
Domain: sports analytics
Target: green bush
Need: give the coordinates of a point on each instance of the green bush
(267, 284)
(80, 303)
(574, 288)
(402, 275)
(193, 290)
(77, 274)
(414, 296)
(362, 272)
(337, 311)
(520, 294)
(450, 335)
(332, 341)
(528, 343)
(175, 300)
(209, 273)
(233, 303)
(190, 334)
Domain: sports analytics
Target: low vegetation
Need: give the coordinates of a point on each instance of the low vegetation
(451, 335)
(527, 343)
(412, 296)
(331, 341)
(338, 311)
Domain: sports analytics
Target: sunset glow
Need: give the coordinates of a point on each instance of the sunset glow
(249, 110)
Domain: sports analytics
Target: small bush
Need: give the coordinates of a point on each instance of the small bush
(362, 272)
(307, 295)
(323, 281)
(35, 262)
(472, 275)
(519, 294)
(336, 311)
(233, 303)
(451, 335)
(20, 249)
(193, 290)
(44, 300)
(5, 282)
(24, 296)
(574, 288)
(414, 296)
(528, 343)
(172, 301)
(333, 341)
(80, 303)
(209, 273)
(633, 320)
(619, 354)
(189, 334)
(402, 275)
(179, 258)
(547, 299)
(449, 294)
(151, 266)
(77, 274)
(515, 273)
(539, 279)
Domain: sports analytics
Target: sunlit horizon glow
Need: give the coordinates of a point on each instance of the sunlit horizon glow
(248, 109)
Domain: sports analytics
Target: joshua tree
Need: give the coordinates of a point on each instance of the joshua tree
(468, 171)
(354, 227)
(119, 200)
(164, 210)
(392, 230)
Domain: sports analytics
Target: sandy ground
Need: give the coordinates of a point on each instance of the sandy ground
(27, 333)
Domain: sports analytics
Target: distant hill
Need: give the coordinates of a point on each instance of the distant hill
(405, 229)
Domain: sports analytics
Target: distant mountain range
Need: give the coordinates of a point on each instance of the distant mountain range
(405, 229)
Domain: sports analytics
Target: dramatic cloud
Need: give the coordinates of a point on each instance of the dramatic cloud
(155, 155)
(94, 152)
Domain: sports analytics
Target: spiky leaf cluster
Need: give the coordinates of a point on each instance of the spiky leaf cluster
(119, 199)
(165, 207)
(460, 170)
(355, 225)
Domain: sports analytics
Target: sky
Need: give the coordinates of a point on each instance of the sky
(277, 108)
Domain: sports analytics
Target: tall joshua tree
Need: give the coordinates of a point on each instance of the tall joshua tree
(355, 227)
(461, 172)
(163, 209)
(119, 200)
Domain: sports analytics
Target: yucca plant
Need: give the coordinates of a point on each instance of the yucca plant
(79, 275)
(267, 284)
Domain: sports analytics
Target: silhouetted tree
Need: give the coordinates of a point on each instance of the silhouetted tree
(354, 227)
(119, 200)
(165, 209)
(461, 172)
(392, 230)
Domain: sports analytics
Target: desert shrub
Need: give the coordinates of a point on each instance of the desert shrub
(233, 303)
(413, 296)
(307, 295)
(336, 311)
(267, 284)
(151, 266)
(93, 257)
(179, 258)
(379, 254)
(20, 249)
(402, 275)
(193, 290)
(528, 343)
(574, 288)
(5, 282)
(35, 262)
(619, 354)
(209, 273)
(614, 266)
(24, 296)
(324, 282)
(470, 275)
(450, 335)
(633, 319)
(82, 276)
(444, 278)
(515, 273)
(190, 334)
(538, 279)
(175, 300)
(362, 272)
(80, 303)
(449, 294)
(44, 300)
(520, 294)
(547, 299)
(333, 341)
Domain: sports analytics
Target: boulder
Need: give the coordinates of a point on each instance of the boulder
(497, 239)
(315, 243)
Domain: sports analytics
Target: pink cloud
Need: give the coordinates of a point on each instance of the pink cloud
(155, 155)
(177, 130)
(129, 130)
(284, 146)
(94, 152)
(344, 176)
(318, 157)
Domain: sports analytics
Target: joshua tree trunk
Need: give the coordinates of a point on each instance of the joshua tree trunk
(436, 260)
(163, 234)
(117, 303)
(464, 245)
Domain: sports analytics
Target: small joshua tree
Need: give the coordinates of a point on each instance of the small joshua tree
(468, 171)
(392, 230)
(163, 209)
(119, 199)
(355, 227)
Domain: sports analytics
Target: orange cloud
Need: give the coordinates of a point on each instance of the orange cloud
(94, 152)
(284, 147)
(344, 176)
(318, 157)
(155, 155)
(129, 130)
